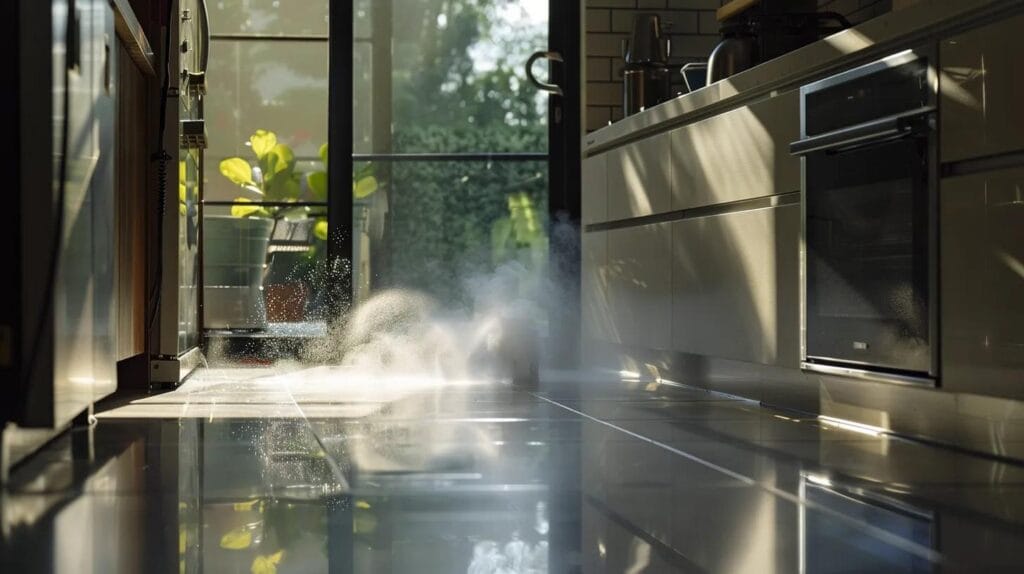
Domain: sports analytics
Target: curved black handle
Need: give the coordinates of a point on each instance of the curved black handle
(543, 86)
(204, 21)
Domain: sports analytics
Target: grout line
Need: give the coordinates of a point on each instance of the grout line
(883, 535)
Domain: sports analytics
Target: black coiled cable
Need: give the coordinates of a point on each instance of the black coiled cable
(161, 157)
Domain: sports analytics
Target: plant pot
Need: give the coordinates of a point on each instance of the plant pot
(234, 259)
(286, 302)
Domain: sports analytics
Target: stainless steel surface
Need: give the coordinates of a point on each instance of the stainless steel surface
(735, 53)
(925, 21)
(876, 119)
(883, 130)
(866, 373)
(594, 472)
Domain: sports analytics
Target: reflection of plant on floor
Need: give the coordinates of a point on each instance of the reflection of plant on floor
(276, 532)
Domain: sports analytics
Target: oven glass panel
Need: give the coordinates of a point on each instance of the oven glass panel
(884, 93)
(868, 280)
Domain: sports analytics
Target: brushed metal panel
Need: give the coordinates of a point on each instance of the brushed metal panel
(737, 155)
(982, 256)
(639, 283)
(639, 176)
(595, 189)
(982, 87)
(734, 286)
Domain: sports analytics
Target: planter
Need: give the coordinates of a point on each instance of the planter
(234, 258)
(286, 302)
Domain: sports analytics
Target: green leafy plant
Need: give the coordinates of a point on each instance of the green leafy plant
(275, 179)
(364, 184)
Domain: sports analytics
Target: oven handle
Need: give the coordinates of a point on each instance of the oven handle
(878, 131)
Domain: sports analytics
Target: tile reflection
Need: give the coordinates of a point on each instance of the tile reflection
(486, 479)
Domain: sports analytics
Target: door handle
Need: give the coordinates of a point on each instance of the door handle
(204, 21)
(543, 86)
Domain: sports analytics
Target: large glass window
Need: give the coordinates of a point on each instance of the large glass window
(448, 77)
(264, 192)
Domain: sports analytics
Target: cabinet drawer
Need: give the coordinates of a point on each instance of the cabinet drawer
(982, 283)
(737, 155)
(638, 178)
(982, 91)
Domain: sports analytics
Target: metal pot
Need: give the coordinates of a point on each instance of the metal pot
(737, 51)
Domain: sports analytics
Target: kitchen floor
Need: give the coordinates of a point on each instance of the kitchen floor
(292, 469)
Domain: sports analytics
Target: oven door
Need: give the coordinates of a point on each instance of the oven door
(869, 256)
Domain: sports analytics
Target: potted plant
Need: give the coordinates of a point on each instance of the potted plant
(235, 246)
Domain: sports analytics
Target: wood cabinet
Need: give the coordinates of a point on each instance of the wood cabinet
(982, 283)
(982, 91)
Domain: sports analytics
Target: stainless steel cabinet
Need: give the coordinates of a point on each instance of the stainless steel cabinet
(982, 255)
(982, 90)
(638, 178)
(740, 154)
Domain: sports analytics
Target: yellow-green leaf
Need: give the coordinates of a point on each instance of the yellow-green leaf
(263, 142)
(237, 539)
(318, 184)
(267, 564)
(246, 210)
(320, 230)
(280, 159)
(181, 171)
(364, 187)
(237, 170)
(323, 154)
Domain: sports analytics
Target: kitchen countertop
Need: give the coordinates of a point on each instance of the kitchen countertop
(900, 29)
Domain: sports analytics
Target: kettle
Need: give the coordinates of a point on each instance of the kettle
(737, 51)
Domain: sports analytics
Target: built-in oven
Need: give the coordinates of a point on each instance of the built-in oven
(868, 143)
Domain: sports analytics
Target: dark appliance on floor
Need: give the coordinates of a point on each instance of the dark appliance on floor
(757, 31)
(868, 143)
(646, 79)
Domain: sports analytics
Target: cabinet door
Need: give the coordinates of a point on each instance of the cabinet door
(737, 155)
(639, 279)
(638, 178)
(596, 319)
(982, 290)
(735, 286)
(982, 88)
(595, 189)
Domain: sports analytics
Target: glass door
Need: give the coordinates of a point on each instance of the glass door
(448, 145)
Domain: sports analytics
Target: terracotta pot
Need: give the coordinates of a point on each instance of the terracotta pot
(286, 302)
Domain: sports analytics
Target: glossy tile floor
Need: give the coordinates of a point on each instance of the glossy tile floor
(325, 470)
